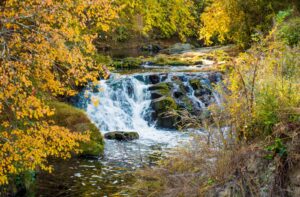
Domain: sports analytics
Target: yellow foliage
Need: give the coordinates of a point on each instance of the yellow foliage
(45, 50)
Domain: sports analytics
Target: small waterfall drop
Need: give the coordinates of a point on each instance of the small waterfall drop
(122, 105)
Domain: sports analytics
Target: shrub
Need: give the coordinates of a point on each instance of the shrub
(290, 32)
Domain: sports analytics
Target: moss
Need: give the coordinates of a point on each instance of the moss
(127, 63)
(161, 88)
(289, 32)
(77, 121)
(175, 60)
(164, 104)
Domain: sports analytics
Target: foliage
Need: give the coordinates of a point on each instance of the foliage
(160, 18)
(77, 121)
(290, 31)
(46, 50)
(237, 20)
(261, 102)
(277, 148)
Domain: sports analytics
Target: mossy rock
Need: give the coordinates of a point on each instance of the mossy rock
(163, 104)
(122, 136)
(161, 88)
(77, 121)
(127, 63)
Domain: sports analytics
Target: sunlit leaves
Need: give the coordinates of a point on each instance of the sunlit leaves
(46, 50)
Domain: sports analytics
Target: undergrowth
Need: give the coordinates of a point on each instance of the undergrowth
(253, 139)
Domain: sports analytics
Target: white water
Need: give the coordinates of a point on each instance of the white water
(124, 102)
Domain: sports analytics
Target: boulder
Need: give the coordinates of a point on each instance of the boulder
(154, 79)
(168, 122)
(178, 94)
(161, 88)
(202, 92)
(160, 106)
(156, 95)
(163, 104)
(122, 136)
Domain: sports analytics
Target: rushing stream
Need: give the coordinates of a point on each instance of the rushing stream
(121, 103)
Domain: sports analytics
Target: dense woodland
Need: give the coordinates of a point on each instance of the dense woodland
(48, 52)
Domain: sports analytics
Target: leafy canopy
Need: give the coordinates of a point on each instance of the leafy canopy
(45, 50)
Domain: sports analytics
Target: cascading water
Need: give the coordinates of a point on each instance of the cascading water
(124, 103)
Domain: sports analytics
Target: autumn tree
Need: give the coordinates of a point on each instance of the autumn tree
(237, 20)
(158, 18)
(46, 50)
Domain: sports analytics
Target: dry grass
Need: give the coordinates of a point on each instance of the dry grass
(200, 168)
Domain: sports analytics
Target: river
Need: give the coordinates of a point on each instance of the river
(123, 104)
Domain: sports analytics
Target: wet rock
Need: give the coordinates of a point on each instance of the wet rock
(168, 122)
(156, 95)
(178, 94)
(163, 77)
(161, 88)
(160, 107)
(154, 79)
(122, 136)
(163, 104)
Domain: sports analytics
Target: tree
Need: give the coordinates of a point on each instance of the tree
(46, 50)
(160, 18)
(237, 20)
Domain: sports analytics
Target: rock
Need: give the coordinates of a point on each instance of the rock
(156, 95)
(154, 79)
(163, 104)
(122, 136)
(161, 88)
(168, 122)
(195, 83)
(178, 94)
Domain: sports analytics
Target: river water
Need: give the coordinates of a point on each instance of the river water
(121, 103)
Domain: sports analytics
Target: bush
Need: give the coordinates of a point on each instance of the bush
(289, 32)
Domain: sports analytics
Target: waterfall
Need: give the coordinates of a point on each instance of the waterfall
(123, 105)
